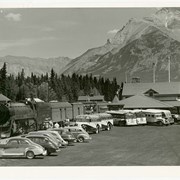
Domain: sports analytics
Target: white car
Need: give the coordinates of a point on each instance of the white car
(23, 147)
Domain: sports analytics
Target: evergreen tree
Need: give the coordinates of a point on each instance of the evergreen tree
(3, 77)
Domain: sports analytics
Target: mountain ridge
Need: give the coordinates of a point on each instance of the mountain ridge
(136, 46)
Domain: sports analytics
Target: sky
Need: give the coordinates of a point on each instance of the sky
(54, 32)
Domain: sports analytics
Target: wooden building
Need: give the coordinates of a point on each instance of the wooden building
(4, 99)
(167, 92)
(61, 111)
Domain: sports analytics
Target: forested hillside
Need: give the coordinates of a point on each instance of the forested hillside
(55, 87)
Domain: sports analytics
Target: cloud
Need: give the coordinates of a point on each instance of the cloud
(5, 44)
(114, 31)
(13, 17)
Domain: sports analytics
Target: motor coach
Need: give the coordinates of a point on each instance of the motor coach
(140, 116)
(90, 121)
(99, 121)
(123, 118)
(154, 116)
(106, 121)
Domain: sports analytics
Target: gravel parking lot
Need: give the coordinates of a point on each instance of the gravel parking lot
(122, 146)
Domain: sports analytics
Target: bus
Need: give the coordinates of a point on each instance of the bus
(156, 117)
(100, 121)
(106, 121)
(140, 116)
(123, 118)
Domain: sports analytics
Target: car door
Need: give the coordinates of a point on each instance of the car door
(23, 144)
(76, 132)
(12, 148)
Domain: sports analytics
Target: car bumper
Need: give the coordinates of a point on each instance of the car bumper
(44, 153)
(70, 140)
(87, 139)
(58, 150)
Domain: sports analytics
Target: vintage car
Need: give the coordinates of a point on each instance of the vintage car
(45, 142)
(57, 136)
(88, 128)
(79, 133)
(47, 135)
(23, 147)
(65, 134)
(176, 118)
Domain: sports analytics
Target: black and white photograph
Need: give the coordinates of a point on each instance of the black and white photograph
(89, 86)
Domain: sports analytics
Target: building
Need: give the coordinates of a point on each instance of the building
(143, 102)
(64, 110)
(91, 103)
(91, 98)
(115, 104)
(61, 111)
(167, 92)
(77, 109)
(4, 99)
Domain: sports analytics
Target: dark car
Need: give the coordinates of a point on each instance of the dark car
(89, 128)
(45, 142)
(176, 118)
(65, 134)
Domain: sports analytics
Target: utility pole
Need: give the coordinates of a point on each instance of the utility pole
(126, 78)
(48, 91)
(154, 71)
(169, 69)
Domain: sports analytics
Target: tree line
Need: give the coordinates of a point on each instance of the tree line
(55, 87)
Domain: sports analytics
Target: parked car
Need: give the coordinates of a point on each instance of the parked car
(45, 142)
(65, 134)
(57, 136)
(176, 118)
(88, 128)
(47, 135)
(79, 133)
(23, 147)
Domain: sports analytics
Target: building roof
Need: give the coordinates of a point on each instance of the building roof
(116, 99)
(91, 98)
(4, 98)
(77, 103)
(60, 104)
(165, 88)
(35, 99)
(142, 101)
(173, 103)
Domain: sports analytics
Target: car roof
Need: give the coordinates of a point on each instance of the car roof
(36, 135)
(73, 127)
(17, 138)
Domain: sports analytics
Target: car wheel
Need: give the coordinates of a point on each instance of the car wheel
(98, 129)
(48, 153)
(80, 139)
(30, 154)
(160, 123)
(108, 127)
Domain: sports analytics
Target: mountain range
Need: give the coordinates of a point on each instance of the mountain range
(38, 66)
(134, 50)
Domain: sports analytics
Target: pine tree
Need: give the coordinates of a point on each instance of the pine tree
(3, 77)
